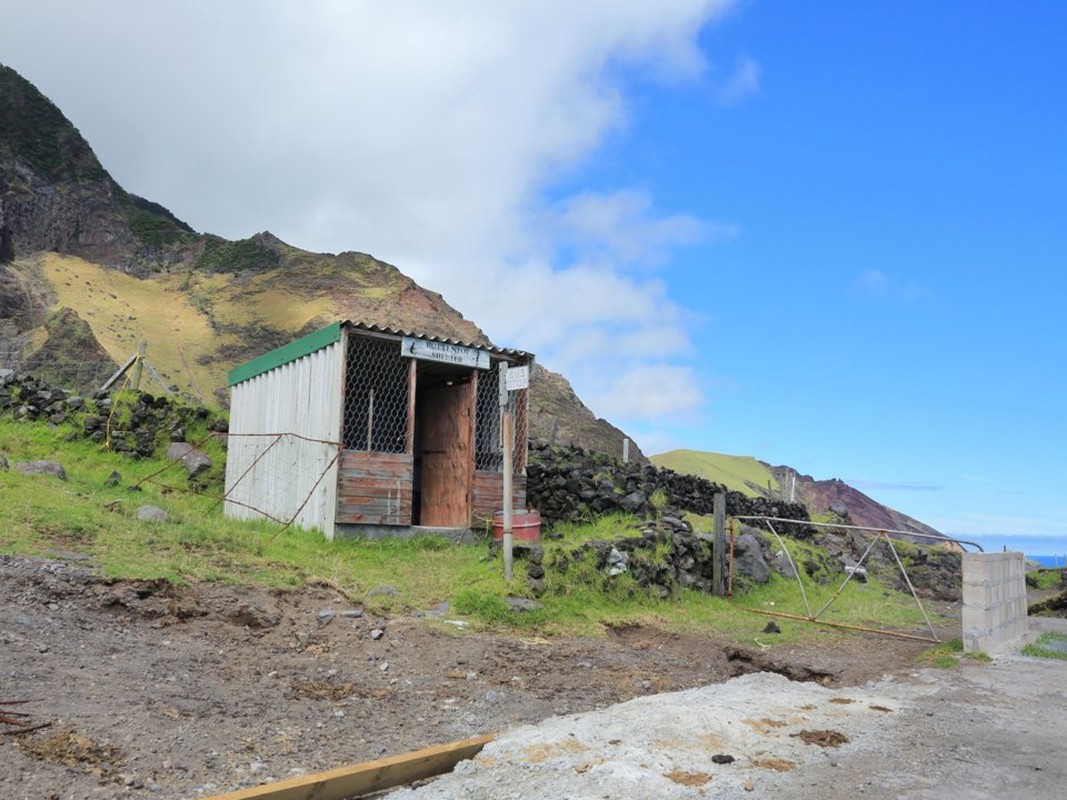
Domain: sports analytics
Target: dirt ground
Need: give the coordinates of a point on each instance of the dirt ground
(147, 689)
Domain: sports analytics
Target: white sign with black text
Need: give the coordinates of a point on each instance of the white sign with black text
(445, 352)
(518, 378)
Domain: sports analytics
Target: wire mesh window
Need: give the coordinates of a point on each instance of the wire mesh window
(376, 396)
(517, 403)
(488, 453)
(488, 447)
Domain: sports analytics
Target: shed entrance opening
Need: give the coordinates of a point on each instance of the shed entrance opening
(443, 445)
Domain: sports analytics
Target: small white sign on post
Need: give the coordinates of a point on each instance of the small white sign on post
(517, 378)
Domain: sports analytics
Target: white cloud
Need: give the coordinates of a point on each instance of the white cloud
(877, 283)
(873, 281)
(650, 391)
(901, 486)
(742, 83)
(655, 442)
(426, 133)
(1008, 526)
(622, 228)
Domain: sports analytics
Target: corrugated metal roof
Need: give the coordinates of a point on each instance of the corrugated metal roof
(490, 348)
(286, 353)
(331, 333)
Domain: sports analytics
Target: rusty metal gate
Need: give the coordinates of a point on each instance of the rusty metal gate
(880, 535)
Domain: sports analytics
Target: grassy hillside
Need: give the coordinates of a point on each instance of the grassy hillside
(739, 473)
(212, 320)
(121, 310)
(86, 515)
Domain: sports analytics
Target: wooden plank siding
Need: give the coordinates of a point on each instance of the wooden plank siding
(488, 494)
(374, 488)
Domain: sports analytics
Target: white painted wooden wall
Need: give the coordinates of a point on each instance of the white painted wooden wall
(301, 397)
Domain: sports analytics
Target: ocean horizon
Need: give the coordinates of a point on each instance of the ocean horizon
(1049, 561)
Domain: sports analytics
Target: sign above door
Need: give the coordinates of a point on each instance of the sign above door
(445, 353)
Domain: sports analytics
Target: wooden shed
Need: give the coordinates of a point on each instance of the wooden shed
(362, 430)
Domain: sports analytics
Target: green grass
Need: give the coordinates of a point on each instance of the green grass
(944, 655)
(1044, 578)
(734, 472)
(947, 655)
(1048, 645)
(41, 515)
(196, 542)
(221, 255)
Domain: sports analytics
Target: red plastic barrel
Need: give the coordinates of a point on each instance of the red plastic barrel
(525, 526)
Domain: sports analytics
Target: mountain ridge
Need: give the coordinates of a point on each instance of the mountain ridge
(80, 255)
(832, 500)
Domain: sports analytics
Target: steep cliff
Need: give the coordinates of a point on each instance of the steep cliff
(55, 195)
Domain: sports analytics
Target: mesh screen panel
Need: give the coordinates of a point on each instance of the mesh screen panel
(376, 396)
(488, 454)
(488, 448)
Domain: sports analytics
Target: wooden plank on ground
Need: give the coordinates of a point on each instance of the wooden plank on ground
(371, 776)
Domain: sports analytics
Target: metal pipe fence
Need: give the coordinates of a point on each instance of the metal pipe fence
(880, 535)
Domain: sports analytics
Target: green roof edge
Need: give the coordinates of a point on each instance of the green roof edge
(299, 348)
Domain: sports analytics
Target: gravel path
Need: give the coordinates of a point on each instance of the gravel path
(984, 730)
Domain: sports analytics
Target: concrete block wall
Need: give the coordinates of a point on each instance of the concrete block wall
(994, 601)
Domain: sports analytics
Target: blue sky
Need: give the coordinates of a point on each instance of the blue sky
(826, 235)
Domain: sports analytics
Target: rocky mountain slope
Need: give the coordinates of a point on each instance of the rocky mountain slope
(55, 195)
(86, 267)
(837, 498)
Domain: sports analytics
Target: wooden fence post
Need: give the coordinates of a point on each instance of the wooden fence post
(718, 562)
(138, 365)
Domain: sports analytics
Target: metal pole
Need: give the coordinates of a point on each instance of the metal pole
(625, 451)
(509, 552)
(730, 564)
(507, 436)
(784, 615)
(940, 537)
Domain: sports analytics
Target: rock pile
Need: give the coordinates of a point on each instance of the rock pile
(662, 556)
(137, 429)
(136, 425)
(29, 399)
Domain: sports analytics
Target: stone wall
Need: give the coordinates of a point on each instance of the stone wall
(572, 485)
(139, 429)
(994, 601)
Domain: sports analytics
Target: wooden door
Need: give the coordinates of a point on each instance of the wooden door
(446, 417)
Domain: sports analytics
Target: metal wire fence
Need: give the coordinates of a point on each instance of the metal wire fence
(517, 404)
(74, 374)
(488, 447)
(488, 442)
(376, 397)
